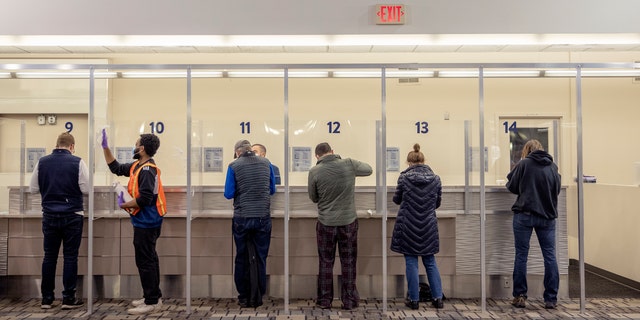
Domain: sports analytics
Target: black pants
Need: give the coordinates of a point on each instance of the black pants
(144, 243)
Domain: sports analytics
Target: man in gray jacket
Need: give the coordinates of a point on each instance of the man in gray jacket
(331, 185)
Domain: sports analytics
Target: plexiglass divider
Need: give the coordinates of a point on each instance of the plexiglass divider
(341, 111)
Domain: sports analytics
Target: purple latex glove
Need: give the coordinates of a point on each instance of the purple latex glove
(120, 199)
(105, 144)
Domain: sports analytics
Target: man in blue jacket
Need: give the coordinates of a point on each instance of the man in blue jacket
(250, 183)
(62, 179)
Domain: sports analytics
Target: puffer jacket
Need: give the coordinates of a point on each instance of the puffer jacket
(419, 193)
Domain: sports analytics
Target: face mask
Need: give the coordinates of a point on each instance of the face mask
(136, 153)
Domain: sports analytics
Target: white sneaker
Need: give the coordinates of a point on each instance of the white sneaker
(146, 308)
(138, 302)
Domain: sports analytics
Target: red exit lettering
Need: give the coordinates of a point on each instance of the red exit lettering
(390, 14)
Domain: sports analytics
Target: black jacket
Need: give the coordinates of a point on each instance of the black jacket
(536, 181)
(419, 193)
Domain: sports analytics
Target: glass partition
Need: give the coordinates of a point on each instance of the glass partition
(225, 111)
(342, 112)
(14, 160)
(519, 109)
(438, 114)
(611, 175)
(149, 106)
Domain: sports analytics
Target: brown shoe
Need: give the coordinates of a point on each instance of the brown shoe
(519, 301)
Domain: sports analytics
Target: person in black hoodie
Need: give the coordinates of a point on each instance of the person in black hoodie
(536, 181)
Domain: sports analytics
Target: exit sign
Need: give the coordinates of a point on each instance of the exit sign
(390, 14)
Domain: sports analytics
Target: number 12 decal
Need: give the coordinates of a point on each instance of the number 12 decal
(334, 127)
(511, 127)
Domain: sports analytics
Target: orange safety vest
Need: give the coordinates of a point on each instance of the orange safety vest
(161, 204)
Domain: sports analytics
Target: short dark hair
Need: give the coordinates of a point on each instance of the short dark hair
(65, 140)
(322, 149)
(262, 148)
(151, 143)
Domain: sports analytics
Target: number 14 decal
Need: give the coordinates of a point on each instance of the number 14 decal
(511, 127)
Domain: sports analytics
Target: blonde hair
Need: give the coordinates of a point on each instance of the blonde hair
(531, 146)
(415, 156)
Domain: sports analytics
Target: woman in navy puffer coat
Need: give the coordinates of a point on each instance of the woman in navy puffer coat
(415, 233)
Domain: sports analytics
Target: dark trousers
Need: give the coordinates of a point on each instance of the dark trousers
(257, 230)
(144, 243)
(346, 237)
(61, 229)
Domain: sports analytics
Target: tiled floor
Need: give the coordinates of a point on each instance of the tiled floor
(227, 309)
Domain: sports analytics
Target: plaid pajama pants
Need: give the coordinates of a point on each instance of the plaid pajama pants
(346, 237)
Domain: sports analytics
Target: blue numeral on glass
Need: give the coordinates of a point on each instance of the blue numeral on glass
(422, 127)
(334, 127)
(246, 127)
(157, 127)
(511, 127)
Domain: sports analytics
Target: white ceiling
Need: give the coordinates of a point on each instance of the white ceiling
(48, 49)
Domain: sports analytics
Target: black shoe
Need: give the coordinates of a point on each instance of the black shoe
(72, 304)
(437, 303)
(549, 305)
(47, 303)
(323, 307)
(243, 303)
(413, 305)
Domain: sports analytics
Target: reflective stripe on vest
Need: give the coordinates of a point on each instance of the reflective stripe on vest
(161, 203)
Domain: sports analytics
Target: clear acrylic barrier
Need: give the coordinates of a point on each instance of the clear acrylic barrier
(611, 169)
(343, 112)
(12, 140)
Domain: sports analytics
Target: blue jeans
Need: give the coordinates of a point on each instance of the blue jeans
(523, 226)
(433, 275)
(257, 230)
(60, 229)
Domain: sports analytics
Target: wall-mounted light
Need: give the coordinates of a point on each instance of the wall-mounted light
(63, 75)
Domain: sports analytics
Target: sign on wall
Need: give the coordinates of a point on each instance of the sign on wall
(390, 14)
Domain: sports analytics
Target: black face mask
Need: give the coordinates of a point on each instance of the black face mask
(136, 153)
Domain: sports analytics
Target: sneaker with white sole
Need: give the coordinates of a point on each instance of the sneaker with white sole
(138, 302)
(146, 308)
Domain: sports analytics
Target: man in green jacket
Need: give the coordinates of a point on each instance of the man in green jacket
(331, 185)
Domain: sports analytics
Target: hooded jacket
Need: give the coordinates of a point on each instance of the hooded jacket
(536, 181)
(419, 193)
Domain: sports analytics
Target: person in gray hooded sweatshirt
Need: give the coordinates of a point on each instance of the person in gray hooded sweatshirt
(536, 181)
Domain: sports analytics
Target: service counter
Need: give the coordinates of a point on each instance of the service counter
(212, 248)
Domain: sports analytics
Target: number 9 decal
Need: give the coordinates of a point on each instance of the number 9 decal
(68, 126)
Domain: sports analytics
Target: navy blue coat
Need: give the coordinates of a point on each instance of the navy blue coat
(419, 193)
